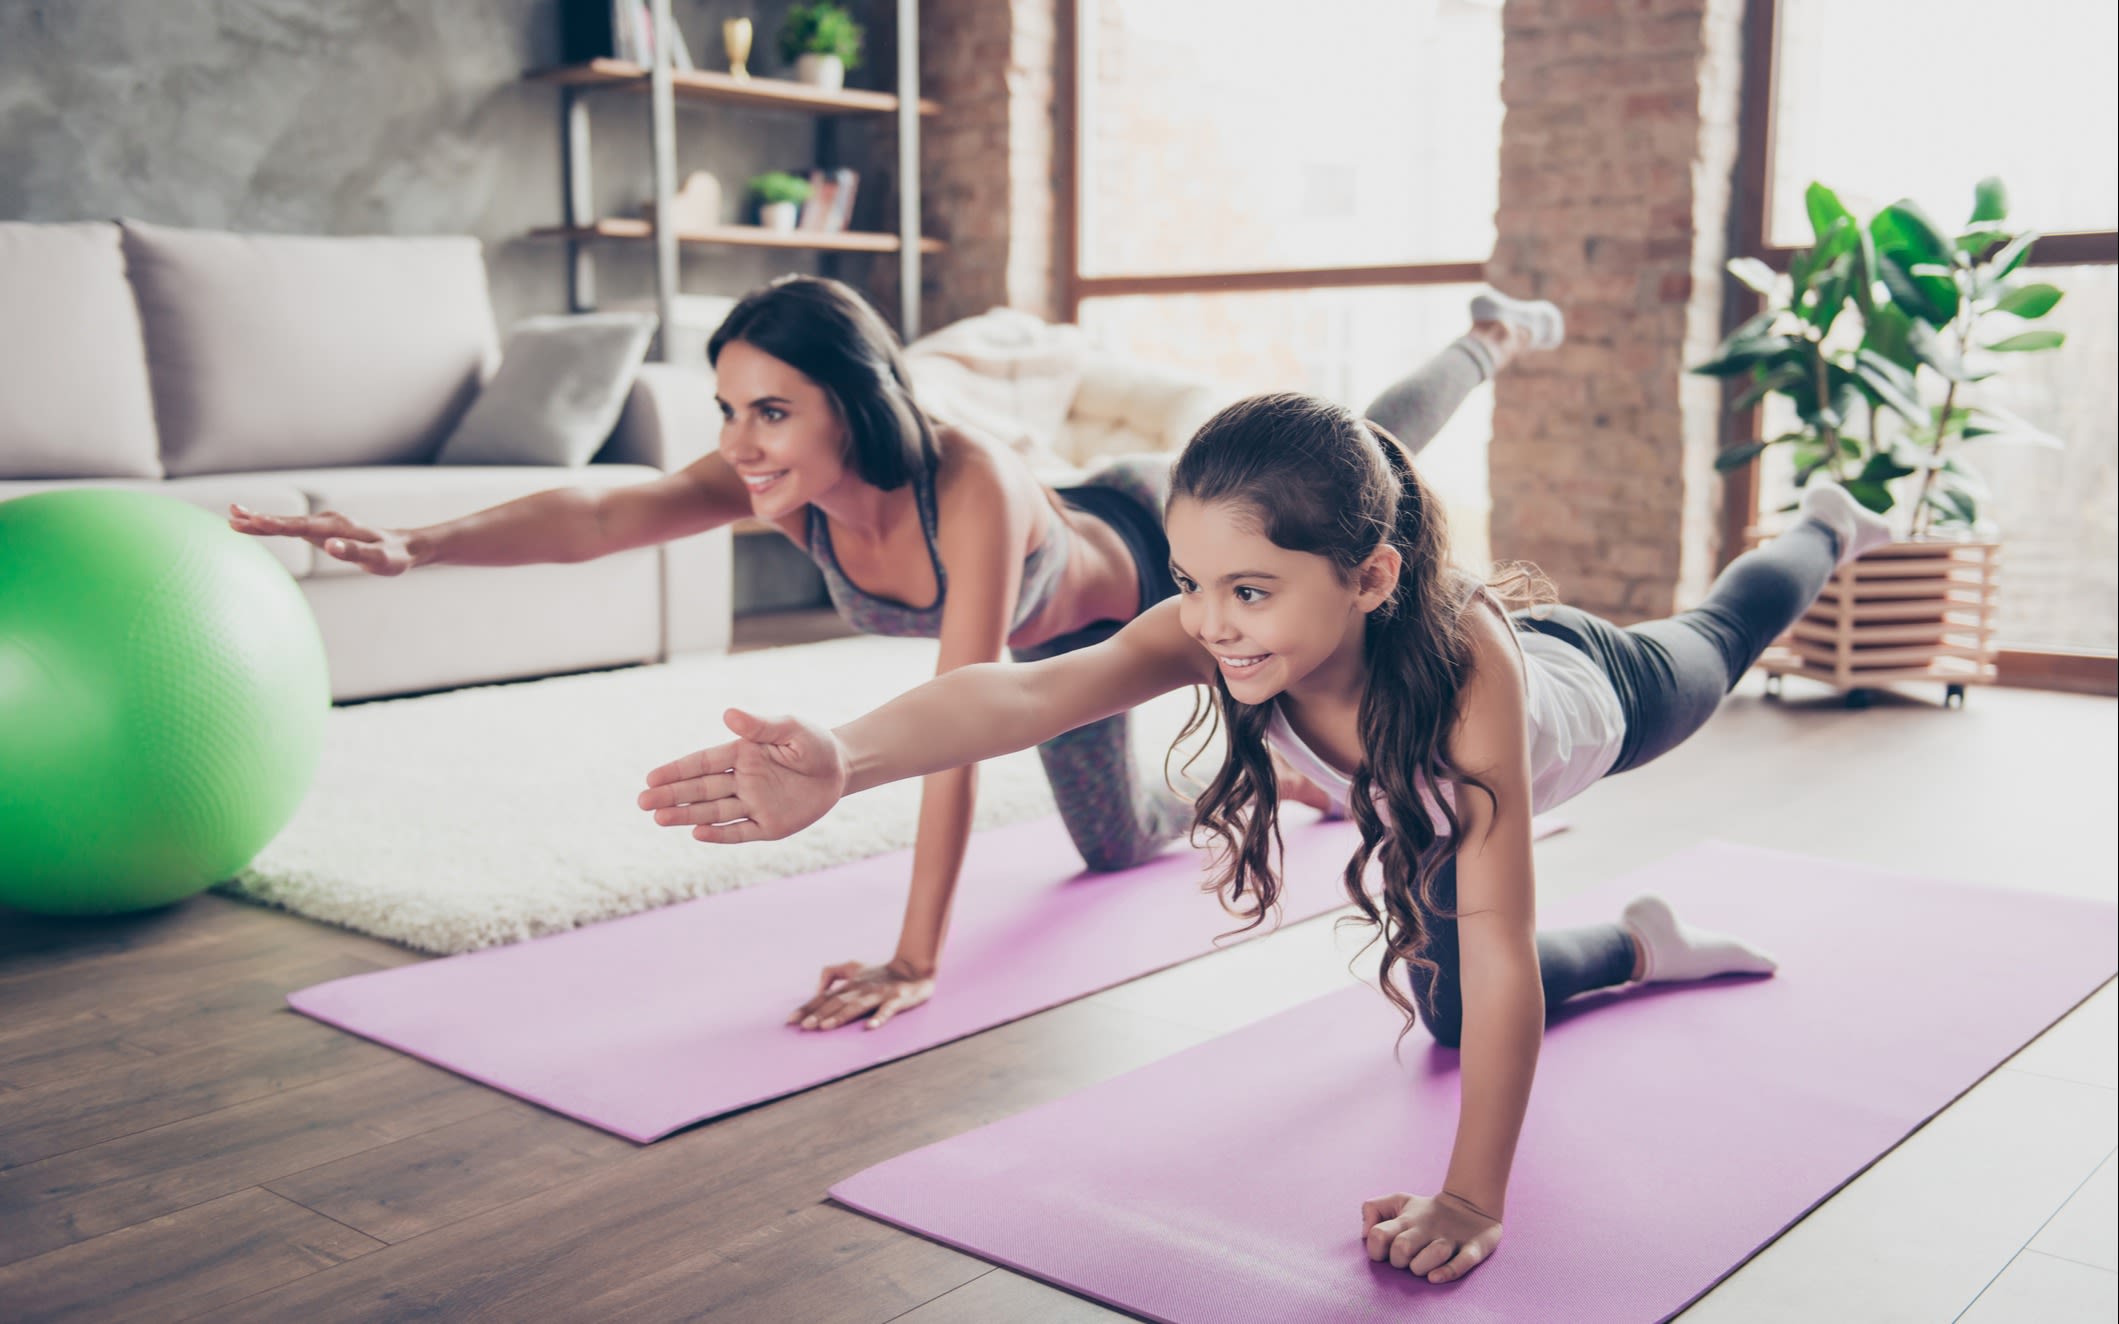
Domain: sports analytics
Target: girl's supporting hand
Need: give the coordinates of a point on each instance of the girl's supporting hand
(1442, 1238)
(776, 778)
(377, 551)
(878, 992)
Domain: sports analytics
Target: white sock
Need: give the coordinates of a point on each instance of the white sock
(1857, 527)
(1538, 316)
(1676, 952)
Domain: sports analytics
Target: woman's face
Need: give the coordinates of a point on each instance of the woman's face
(780, 431)
(1271, 617)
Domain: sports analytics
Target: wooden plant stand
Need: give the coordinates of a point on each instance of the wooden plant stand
(1912, 611)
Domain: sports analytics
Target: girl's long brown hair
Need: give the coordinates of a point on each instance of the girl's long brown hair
(1320, 480)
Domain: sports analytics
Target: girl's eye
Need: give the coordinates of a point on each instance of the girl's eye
(1184, 585)
(1248, 595)
(773, 415)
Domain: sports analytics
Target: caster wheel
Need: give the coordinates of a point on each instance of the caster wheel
(1858, 698)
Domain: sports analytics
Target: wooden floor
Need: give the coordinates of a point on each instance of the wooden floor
(175, 1144)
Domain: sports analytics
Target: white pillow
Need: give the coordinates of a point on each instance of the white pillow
(562, 384)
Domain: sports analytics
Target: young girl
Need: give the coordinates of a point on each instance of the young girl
(1317, 601)
(823, 438)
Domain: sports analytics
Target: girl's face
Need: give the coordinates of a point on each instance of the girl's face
(780, 431)
(1271, 617)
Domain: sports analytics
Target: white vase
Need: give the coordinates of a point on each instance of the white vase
(778, 215)
(821, 71)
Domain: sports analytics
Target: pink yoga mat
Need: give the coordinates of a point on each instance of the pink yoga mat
(649, 1023)
(1672, 1133)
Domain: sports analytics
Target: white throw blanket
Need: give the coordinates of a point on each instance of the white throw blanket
(1006, 375)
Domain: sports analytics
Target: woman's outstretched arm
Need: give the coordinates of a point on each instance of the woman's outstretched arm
(779, 776)
(561, 525)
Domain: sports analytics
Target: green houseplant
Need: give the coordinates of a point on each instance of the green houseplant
(780, 195)
(822, 41)
(1879, 339)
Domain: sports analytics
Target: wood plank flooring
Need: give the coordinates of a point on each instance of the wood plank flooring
(176, 1145)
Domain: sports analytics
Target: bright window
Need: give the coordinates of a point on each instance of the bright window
(1885, 100)
(1881, 101)
(1239, 135)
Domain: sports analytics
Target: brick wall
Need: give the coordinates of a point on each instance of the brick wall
(987, 162)
(1616, 153)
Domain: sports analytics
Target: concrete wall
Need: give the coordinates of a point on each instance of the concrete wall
(361, 117)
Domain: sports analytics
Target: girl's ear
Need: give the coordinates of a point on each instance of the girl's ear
(1376, 578)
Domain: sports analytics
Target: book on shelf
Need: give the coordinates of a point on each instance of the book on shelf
(620, 29)
(829, 209)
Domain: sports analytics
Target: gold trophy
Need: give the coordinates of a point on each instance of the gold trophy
(735, 35)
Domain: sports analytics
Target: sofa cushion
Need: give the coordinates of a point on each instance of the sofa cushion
(74, 399)
(267, 493)
(409, 496)
(279, 352)
(1123, 401)
(562, 383)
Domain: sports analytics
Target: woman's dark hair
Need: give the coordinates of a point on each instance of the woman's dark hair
(1318, 479)
(828, 333)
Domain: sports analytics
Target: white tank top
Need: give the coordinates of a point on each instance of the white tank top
(1576, 728)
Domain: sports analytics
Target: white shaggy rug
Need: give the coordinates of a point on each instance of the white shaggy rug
(490, 815)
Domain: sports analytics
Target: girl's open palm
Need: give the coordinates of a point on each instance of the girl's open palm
(377, 551)
(777, 777)
(1441, 1238)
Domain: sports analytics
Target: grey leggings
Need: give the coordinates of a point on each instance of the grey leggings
(1670, 676)
(1116, 817)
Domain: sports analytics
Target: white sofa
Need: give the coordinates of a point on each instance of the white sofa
(298, 375)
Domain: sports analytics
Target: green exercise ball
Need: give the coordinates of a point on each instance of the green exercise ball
(162, 700)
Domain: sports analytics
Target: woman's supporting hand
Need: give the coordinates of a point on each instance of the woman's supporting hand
(878, 992)
(1298, 789)
(377, 551)
(776, 778)
(1441, 1238)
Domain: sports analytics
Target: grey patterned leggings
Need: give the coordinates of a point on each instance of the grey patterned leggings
(1117, 817)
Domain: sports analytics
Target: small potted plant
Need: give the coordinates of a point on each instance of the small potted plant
(822, 41)
(780, 197)
(1878, 338)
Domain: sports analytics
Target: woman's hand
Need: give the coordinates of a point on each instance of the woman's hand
(377, 551)
(1442, 1239)
(776, 778)
(878, 992)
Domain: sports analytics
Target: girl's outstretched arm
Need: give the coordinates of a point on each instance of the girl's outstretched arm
(779, 776)
(1445, 1236)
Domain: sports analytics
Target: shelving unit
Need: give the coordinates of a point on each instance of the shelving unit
(749, 236)
(665, 88)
